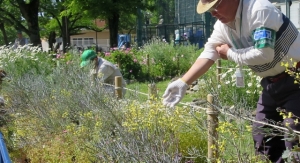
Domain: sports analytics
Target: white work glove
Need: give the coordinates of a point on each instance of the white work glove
(174, 92)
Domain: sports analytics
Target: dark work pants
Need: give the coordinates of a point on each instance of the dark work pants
(285, 94)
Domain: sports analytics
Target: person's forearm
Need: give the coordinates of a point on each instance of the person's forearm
(200, 67)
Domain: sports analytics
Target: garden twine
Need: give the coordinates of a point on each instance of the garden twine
(217, 112)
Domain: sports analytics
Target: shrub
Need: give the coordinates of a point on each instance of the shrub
(58, 116)
(127, 62)
(165, 59)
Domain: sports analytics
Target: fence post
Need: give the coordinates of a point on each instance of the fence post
(148, 66)
(119, 63)
(219, 70)
(178, 69)
(118, 87)
(152, 91)
(212, 124)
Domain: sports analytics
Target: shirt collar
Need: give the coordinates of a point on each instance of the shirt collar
(239, 10)
(237, 16)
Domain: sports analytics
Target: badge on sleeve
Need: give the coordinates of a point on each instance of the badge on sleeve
(264, 37)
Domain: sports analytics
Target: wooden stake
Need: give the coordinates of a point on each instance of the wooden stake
(212, 124)
(118, 87)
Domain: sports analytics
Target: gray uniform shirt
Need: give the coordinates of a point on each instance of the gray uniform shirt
(108, 71)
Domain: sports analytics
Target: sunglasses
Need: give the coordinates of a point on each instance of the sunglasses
(214, 7)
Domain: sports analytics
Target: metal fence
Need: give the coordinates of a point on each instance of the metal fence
(179, 34)
(185, 12)
(178, 22)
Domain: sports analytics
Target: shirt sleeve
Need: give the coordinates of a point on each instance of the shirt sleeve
(216, 38)
(264, 25)
(105, 71)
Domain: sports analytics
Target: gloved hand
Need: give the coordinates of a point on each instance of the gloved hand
(174, 92)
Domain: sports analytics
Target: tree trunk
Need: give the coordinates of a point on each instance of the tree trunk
(65, 33)
(51, 40)
(4, 33)
(30, 13)
(113, 25)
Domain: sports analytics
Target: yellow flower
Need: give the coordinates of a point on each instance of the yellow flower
(286, 65)
(295, 64)
(290, 115)
(296, 121)
(249, 128)
(213, 147)
(65, 114)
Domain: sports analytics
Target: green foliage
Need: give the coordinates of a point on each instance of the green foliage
(166, 60)
(11, 34)
(25, 59)
(178, 125)
(238, 97)
(58, 115)
(127, 62)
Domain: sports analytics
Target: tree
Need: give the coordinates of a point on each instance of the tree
(7, 25)
(109, 10)
(166, 9)
(14, 11)
(58, 20)
(29, 10)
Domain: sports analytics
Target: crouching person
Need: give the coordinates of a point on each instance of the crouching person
(104, 70)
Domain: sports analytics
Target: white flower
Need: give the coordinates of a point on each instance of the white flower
(258, 78)
(201, 82)
(233, 76)
(227, 82)
(248, 91)
(219, 86)
(230, 70)
(249, 84)
(223, 75)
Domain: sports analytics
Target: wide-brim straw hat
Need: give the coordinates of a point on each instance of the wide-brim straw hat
(203, 7)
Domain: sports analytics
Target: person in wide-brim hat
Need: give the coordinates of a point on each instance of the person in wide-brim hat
(205, 5)
(256, 34)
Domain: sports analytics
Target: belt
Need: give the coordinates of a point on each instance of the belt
(282, 75)
(277, 77)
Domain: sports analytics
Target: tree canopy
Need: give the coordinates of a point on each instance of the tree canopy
(112, 11)
(50, 18)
